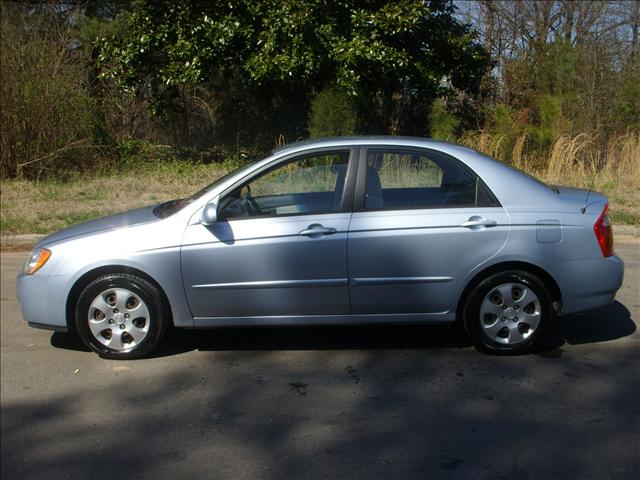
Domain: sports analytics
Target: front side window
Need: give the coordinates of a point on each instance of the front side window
(305, 185)
(399, 179)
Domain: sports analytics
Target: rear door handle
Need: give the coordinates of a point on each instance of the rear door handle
(317, 230)
(477, 222)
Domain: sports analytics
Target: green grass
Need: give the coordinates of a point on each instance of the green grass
(624, 218)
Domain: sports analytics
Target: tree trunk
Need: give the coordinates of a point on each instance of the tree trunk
(635, 24)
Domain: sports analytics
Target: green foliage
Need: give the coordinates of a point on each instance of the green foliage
(332, 114)
(443, 124)
(135, 153)
(620, 217)
(371, 49)
(501, 121)
(177, 42)
(627, 108)
(233, 162)
(548, 90)
(548, 121)
(93, 28)
(554, 67)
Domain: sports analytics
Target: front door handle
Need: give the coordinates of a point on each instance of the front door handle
(476, 222)
(317, 230)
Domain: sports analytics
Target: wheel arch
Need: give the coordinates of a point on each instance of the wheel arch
(548, 280)
(91, 275)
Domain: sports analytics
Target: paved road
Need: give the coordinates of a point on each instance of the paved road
(385, 402)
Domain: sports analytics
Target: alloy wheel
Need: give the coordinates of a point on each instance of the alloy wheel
(119, 319)
(510, 313)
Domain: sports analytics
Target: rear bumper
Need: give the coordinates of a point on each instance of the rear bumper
(43, 299)
(587, 284)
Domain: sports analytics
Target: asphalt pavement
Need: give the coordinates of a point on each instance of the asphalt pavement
(325, 403)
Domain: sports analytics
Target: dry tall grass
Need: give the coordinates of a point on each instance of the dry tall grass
(578, 161)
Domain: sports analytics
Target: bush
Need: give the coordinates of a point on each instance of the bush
(500, 120)
(548, 125)
(45, 108)
(442, 123)
(332, 114)
(627, 108)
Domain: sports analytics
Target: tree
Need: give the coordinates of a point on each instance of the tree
(562, 66)
(394, 56)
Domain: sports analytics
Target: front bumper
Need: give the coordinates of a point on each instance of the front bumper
(53, 328)
(43, 300)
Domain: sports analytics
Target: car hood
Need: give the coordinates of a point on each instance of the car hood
(111, 222)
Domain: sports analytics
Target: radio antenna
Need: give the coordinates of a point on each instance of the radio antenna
(585, 205)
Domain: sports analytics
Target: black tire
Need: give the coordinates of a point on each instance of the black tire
(159, 314)
(472, 318)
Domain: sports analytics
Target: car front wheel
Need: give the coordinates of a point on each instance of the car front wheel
(121, 316)
(508, 312)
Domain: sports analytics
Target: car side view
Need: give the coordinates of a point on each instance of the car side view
(359, 230)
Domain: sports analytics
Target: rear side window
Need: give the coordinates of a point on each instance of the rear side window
(409, 179)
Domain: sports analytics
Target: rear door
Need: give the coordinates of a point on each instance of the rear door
(422, 220)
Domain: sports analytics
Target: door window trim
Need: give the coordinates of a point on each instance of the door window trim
(361, 180)
(347, 192)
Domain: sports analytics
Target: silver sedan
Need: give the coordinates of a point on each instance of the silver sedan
(334, 231)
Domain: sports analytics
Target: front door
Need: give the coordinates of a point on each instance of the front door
(279, 248)
(422, 221)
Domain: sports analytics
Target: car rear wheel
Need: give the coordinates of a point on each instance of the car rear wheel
(121, 316)
(509, 312)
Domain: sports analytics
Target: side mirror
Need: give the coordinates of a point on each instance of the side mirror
(210, 212)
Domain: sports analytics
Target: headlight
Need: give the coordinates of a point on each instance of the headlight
(36, 260)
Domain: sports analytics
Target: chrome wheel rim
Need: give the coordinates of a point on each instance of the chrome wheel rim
(510, 313)
(119, 319)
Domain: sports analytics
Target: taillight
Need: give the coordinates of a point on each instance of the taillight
(604, 233)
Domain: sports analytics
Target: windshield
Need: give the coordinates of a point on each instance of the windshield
(167, 209)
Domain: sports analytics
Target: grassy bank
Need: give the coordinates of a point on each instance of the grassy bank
(44, 207)
(29, 207)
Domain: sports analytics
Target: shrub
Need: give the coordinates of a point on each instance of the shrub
(45, 108)
(548, 126)
(442, 123)
(332, 114)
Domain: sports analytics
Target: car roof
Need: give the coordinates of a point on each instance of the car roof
(365, 139)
